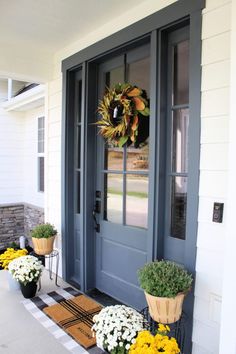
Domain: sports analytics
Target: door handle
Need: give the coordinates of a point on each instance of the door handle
(97, 225)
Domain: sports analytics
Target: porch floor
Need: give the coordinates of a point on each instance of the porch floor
(20, 332)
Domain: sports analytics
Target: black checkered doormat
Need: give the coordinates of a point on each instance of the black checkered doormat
(38, 305)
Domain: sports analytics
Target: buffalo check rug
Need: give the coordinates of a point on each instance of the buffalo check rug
(76, 311)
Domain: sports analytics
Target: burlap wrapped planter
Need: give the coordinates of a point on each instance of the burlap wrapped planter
(165, 310)
(43, 246)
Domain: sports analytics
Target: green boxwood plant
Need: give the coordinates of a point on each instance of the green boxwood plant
(164, 279)
(43, 231)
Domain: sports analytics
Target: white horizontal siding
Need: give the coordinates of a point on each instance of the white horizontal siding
(207, 335)
(53, 197)
(227, 335)
(215, 102)
(216, 49)
(18, 157)
(215, 75)
(214, 166)
(11, 157)
(213, 184)
(216, 21)
(215, 130)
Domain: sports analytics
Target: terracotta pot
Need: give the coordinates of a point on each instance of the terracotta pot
(165, 310)
(43, 246)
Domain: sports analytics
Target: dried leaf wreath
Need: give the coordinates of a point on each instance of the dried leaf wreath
(124, 115)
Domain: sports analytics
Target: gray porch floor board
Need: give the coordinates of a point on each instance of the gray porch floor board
(20, 332)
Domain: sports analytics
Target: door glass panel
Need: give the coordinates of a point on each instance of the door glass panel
(180, 122)
(78, 193)
(139, 74)
(113, 197)
(181, 73)
(78, 146)
(178, 207)
(137, 200)
(79, 95)
(113, 158)
(137, 158)
(115, 76)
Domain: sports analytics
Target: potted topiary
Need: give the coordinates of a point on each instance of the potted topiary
(43, 237)
(165, 285)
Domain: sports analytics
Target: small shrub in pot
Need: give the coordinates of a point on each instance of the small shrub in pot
(165, 284)
(43, 236)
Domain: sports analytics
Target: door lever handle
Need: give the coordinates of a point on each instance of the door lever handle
(97, 225)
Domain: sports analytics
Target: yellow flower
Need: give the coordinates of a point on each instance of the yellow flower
(146, 343)
(163, 328)
(9, 255)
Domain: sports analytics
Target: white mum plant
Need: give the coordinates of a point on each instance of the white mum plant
(116, 328)
(26, 269)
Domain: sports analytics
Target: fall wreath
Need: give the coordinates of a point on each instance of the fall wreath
(124, 115)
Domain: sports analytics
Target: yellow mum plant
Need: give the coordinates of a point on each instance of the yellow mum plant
(9, 255)
(146, 343)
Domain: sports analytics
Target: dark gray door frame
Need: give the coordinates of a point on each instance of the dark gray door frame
(152, 26)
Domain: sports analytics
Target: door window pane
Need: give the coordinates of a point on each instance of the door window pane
(77, 193)
(78, 145)
(139, 74)
(41, 174)
(41, 135)
(180, 123)
(181, 73)
(137, 158)
(115, 76)
(79, 98)
(113, 158)
(113, 197)
(178, 207)
(137, 200)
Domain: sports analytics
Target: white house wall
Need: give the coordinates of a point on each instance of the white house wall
(213, 161)
(213, 175)
(31, 194)
(18, 157)
(11, 157)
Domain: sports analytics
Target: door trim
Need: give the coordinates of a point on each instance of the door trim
(87, 59)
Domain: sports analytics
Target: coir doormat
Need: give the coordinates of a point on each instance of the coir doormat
(75, 316)
(38, 304)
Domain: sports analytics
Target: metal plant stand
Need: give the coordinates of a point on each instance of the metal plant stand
(50, 257)
(177, 329)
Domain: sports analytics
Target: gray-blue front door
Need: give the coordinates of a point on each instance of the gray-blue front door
(122, 192)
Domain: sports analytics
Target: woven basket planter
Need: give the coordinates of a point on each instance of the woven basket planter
(43, 246)
(165, 310)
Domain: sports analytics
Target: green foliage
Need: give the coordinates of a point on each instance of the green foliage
(119, 350)
(13, 245)
(43, 231)
(164, 279)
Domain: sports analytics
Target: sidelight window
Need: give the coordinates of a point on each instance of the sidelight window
(178, 128)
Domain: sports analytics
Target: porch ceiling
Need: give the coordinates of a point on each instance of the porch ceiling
(32, 31)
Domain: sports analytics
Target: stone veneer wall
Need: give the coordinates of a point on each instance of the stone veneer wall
(33, 216)
(17, 220)
(11, 224)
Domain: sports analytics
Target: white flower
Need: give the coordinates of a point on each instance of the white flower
(117, 326)
(26, 269)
